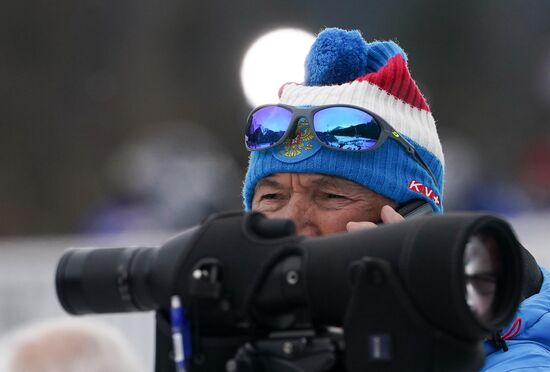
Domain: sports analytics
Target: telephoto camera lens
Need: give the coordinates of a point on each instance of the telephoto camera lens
(462, 272)
(440, 283)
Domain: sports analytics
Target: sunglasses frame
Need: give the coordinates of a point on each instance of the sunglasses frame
(386, 130)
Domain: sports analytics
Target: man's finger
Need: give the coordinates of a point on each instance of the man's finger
(355, 226)
(389, 215)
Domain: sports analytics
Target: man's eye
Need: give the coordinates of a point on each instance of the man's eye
(333, 196)
(273, 196)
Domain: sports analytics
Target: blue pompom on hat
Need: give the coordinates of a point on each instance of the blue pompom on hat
(340, 56)
(342, 68)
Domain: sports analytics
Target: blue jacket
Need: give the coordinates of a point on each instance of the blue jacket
(529, 349)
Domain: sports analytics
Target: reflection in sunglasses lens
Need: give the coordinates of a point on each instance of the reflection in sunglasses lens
(346, 128)
(266, 126)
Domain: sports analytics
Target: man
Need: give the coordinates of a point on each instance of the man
(67, 345)
(362, 75)
(352, 145)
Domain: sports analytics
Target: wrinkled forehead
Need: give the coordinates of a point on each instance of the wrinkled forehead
(310, 181)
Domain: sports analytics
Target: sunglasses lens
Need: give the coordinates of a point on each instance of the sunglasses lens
(266, 126)
(346, 128)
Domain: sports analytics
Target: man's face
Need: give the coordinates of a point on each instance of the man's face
(317, 204)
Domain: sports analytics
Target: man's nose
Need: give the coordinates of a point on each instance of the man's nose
(301, 212)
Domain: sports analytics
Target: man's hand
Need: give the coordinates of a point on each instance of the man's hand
(387, 214)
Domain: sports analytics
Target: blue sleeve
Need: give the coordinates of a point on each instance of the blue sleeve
(529, 350)
(521, 356)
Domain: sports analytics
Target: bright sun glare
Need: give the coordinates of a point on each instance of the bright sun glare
(274, 59)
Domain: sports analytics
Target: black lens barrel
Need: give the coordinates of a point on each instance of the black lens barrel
(105, 280)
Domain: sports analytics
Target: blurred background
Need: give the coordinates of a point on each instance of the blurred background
(122, 122)
(96, 96)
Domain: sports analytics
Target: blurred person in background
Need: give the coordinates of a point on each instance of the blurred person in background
(305, 165)
(167, 179)
(67, 345)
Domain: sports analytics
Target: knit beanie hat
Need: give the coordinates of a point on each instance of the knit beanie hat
(341, 68)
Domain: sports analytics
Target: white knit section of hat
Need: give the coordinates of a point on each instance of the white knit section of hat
(417, 124)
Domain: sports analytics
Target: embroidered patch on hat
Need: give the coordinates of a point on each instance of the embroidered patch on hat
(301, 146)
(424, 190)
